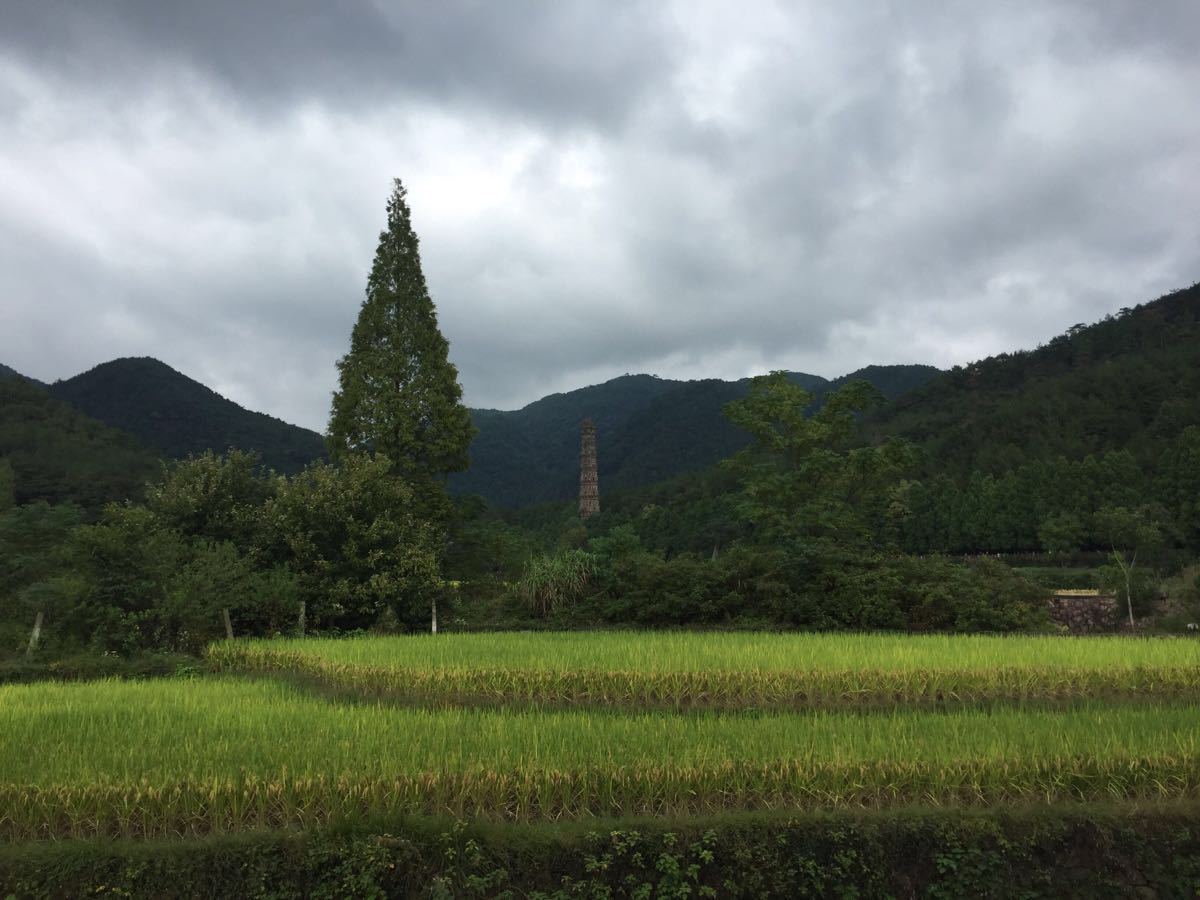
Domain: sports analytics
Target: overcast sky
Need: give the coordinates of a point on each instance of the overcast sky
(689, 189)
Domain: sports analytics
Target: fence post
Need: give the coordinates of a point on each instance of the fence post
(300, 619)
(228, 623)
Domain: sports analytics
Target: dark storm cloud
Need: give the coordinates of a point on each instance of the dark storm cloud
(692, 189)
(506, 58)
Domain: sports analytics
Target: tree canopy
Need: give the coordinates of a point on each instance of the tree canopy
(398, 392)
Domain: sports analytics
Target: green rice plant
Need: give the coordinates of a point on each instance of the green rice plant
(219, 755)
(730, 671)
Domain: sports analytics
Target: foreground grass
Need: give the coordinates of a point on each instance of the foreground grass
(723, 671)
(221, 755)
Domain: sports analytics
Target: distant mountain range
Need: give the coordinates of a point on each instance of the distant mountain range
(647, 429)
(1129, 382)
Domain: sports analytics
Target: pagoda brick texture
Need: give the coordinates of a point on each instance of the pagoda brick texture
(589, 484)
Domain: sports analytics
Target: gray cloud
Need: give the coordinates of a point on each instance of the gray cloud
(686, 189)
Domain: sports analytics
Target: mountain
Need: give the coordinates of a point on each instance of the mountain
(59, 455)
(648, 429)
(1023, 452)
(177, 416)
(8, 372)
(1130, 382)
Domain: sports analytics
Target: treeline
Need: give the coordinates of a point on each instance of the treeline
(217, 536)
(1056, 505)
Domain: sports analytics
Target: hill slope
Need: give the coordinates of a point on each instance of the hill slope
(648, 429)
(60, 455)
(1129, 382)
(175, 415)
(9, 372)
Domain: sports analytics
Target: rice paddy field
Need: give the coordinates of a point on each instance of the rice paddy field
(585, 726)
(732, 671)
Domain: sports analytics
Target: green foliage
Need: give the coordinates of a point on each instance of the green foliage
(1179, 483)
(1129, 532)
(52, 453)
(353, 536)
(398, 393)
(799, 480)
(649, 430)
(7, 485)
(552, 582)
(1047, 853)
(1130, 382)
(131, 583)
(1061, 533)
(211, 497)
(179, 417)
(32, 550)
(121, 573)
(92, 666)
(482, 546)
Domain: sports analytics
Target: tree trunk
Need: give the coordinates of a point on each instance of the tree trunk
(228, 623)
(433, 628)
(37, 634)
(300, 620)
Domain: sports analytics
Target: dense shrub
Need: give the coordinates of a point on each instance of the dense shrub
(1084, 853)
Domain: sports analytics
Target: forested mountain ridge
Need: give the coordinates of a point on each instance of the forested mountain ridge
(9, 372)
(178, 416)
(648, 429)
(1026, 450)
(1128, 382)
(1023, 452)
(58, 455)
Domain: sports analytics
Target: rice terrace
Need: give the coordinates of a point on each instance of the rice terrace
(526, 728)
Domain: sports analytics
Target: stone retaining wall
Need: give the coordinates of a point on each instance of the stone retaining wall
(1084, 612)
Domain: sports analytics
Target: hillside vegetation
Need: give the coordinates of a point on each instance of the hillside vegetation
(648, 429)
(58, 455)
(178, 416)
(1128, 382)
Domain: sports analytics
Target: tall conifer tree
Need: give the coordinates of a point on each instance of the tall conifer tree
(399, 394)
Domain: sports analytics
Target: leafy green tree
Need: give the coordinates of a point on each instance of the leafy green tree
(352, 535)
(1128, 533)
(398, 393)
(126, 563)
(801, 480)
(212, 580)
(33, 542)
(1061, 533)
(213, 498)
